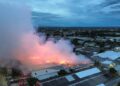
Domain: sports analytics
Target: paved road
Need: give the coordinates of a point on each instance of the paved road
(113, 82)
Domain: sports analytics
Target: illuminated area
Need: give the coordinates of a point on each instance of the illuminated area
(39, 52)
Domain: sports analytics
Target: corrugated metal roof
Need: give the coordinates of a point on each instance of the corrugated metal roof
(87, 72)
(109, 54)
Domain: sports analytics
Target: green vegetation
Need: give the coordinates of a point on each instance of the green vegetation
(75, 42)
(71, 70)
(113, 72)
(97, 63)
(62, 73)
(3, 81)
(3, 71)
(32, 81)
(16, 72)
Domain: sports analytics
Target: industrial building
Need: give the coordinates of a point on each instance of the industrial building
(80, 78)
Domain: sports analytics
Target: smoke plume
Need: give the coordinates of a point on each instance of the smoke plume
(18, 41)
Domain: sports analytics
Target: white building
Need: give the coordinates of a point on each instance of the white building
(112, 55)
(44, 74)
(88, 72)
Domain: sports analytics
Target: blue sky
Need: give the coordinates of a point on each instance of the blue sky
(74, 12)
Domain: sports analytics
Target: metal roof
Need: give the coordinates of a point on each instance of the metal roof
(87, 72)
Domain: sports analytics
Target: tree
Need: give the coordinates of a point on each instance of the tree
(16, 72)
(62, 72)
(32, 81)
(112, 71)
(75, 41)
(71, 70)
(97, 63)
(3, 70)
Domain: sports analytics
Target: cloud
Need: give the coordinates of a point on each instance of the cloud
(50, 6)
(73, 12)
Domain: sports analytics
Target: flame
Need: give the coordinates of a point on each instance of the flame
(63, 62)
(21, 44)
(34, 52)
(48, 61)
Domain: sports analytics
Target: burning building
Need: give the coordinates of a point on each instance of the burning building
(18, 41)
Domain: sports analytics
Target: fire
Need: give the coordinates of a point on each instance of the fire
(37, 53)
(21, 44)
(48, 61)
(63, 62)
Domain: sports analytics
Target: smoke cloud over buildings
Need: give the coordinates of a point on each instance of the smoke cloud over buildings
(18, 41)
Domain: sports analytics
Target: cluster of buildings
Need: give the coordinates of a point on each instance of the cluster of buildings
(81, 78)
(108, 59)
(83, 75)
(89, 47)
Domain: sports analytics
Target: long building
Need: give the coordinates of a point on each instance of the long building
(88, 77)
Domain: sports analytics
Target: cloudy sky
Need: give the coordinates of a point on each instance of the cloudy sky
(74, 12)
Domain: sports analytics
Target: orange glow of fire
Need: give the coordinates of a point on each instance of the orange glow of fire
(34, 52)
(63, 62)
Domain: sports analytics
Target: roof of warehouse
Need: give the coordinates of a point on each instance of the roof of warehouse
(107, 62)
(73, 79)
(88, 72)
(45, 71)
(109, 54)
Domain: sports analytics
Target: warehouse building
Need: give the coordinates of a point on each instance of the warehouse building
(82, 78)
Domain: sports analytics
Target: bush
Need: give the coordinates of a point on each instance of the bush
(32, 81)
(3, 70)
(62, 72)
(16, 72)
(112, 71)
(71, 70)
(97, 63)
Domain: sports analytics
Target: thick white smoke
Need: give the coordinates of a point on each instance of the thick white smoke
(18, 41)
(13, 24)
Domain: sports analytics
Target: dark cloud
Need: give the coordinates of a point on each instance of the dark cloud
(74, 12)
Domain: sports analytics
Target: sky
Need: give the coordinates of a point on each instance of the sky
(73, 12)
